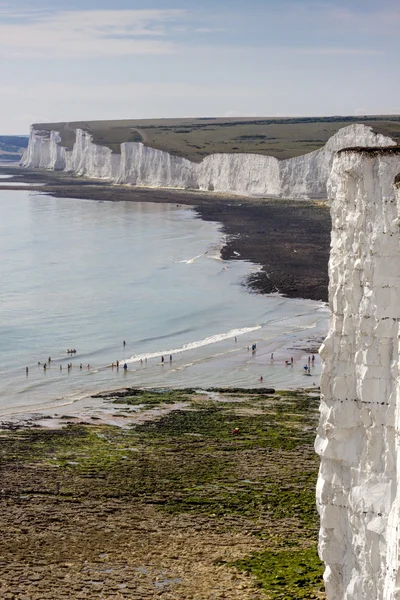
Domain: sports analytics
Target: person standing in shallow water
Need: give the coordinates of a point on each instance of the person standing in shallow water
(26, 370)
(162, 360)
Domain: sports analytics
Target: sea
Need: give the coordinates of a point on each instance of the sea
(88, 276)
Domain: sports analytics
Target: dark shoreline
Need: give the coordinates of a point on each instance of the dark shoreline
(289, 239)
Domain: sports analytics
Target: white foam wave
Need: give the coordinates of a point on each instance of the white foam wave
(191, 260)
(213, 339)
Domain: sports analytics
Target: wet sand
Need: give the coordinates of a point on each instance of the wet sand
(289, 239)
(95, 407)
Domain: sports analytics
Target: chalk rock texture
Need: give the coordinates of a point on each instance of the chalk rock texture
(358, 490)
(246, 174)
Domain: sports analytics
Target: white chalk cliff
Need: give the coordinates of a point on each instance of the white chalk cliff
(247, 174)
(358, 491)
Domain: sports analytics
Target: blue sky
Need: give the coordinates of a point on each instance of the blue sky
(87, 59)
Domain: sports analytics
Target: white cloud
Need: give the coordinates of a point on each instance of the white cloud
(87, 33)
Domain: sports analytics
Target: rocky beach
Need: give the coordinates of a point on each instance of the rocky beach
(214, 499)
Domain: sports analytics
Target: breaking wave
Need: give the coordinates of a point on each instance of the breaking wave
(212, 339)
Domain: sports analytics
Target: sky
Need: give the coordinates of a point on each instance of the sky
(66, 60)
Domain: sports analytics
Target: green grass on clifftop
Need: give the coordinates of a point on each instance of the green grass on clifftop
(196, 138)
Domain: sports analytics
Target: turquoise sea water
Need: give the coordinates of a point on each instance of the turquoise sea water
(87, 275)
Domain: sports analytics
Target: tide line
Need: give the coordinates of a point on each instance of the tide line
(213, 339)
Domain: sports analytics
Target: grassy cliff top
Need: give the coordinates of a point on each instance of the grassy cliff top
(198, 137)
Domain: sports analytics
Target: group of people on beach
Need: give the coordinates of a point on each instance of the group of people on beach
(47, 363)
(307, 367)
(114, 365)
(290, 362)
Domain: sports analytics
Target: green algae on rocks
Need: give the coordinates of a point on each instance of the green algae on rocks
(239, 505)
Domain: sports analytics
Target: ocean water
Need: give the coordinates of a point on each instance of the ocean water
(87, 275)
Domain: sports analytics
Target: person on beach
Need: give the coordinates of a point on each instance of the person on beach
(287, 362)
(117, 364)
(291, 360)
(124, 343)
(261, 379)
(141, 361)
(235, 339)
(170, 358)
(272, 356)
(88, 367)
(44, 366)
(125, 366)
(162, 360)
(80, 366)
(313, 359)
(309, 360)
(60, 367)
(26, 370)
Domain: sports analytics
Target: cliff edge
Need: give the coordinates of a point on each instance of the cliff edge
(249, 174)
(358, 484)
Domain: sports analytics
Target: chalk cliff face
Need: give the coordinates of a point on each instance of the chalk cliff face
(358, 493)
(248, 174)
